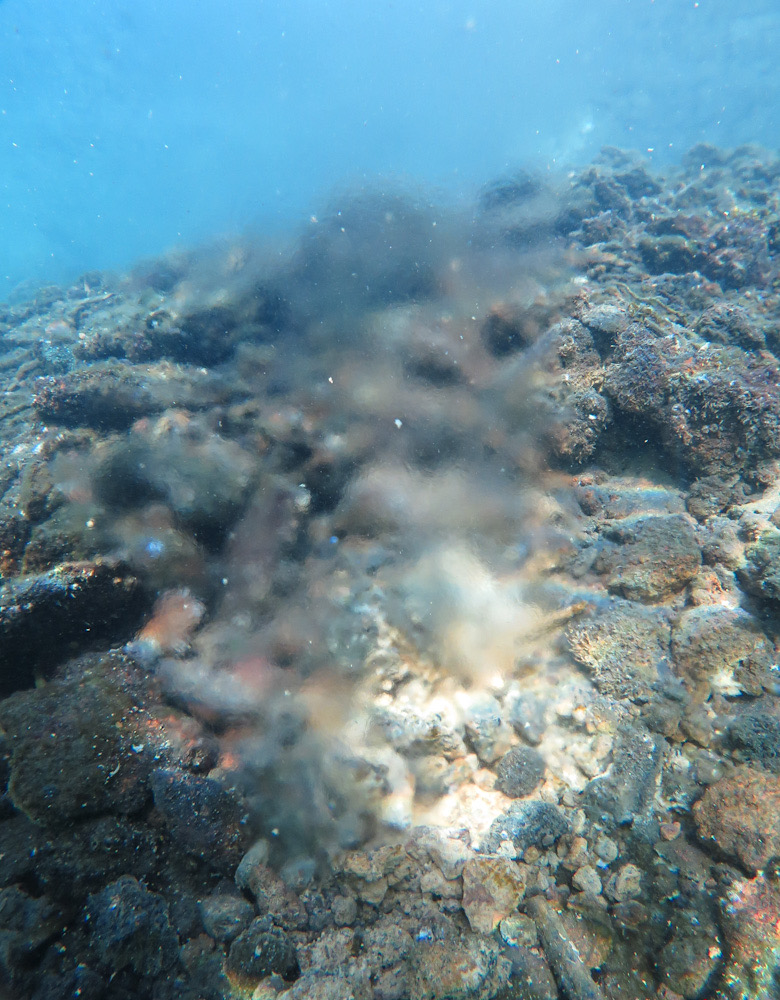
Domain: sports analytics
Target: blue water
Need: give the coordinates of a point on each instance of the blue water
(128, 128)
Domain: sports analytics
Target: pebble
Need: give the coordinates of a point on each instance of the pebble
(518, 929)
(527, 824)
(526, 715)
(487, 733)
(519, 772)
(625, 792)
(449, 854)
(434, 883)
(344, 910)
(625, 884)
(531, 969)
(258, 952)
(586, 879)
(492, 888)
(225, 916)
(606, 848)
(756, 735)
(132, 928)
(722, 649)
(577, 854)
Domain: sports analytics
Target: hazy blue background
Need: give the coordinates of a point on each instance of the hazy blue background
(130, 126)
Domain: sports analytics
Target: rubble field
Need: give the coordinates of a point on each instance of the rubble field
(394, 615)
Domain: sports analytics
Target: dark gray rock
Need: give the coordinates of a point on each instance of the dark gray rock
(604, 323)
(532, 970)
(130, 928)
(94, 852)
(757, 736)
(200, 476)
(761, 573)
(625, 793)
(726, 323)
(527, 824)
(519, 772)
(203, 818)
(525, 713)
(79, 603)
(225, 915)
(260, 951)
(26, 923)
(692, 956)
(70, 758)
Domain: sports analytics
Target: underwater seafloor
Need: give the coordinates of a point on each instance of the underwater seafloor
(395, 615)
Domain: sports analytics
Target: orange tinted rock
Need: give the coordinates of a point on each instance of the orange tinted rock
(721, 648)
(750, 915)
(649, 558)
(741, 815)
(492, 888)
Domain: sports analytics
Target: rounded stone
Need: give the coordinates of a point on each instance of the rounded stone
(519, 772)
(258, 952)
(225, 916)
(625, 884)
(586, 879)
(606, 848)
